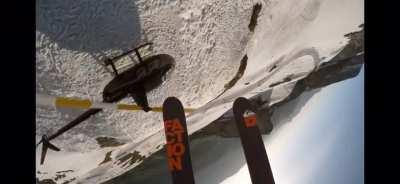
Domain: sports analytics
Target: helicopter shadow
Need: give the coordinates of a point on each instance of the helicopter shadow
(92, 26)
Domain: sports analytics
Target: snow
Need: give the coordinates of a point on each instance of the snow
(207, 40)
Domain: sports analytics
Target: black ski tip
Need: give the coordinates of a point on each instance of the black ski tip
(173, 101)
(170, 99)
(243, 103)
(46, 145)
(240, 100)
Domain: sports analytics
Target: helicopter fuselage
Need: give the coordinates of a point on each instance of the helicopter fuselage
(146, 76)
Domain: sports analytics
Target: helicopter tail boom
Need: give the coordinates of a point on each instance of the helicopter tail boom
(46, 145)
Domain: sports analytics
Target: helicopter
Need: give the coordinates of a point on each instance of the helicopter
(136, 81)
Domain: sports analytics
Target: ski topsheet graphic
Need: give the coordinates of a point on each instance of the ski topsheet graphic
(252, 143)
(177, 147)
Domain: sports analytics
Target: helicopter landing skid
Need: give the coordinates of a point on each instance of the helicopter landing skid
(112, 61)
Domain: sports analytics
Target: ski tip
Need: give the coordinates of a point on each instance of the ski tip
(172, 100)
(240, 101)
(174, 104)
(243, 103)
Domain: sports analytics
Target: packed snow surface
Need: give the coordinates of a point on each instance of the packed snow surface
(207, 39)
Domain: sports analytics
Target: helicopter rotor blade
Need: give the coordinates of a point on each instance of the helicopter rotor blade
(75, 122)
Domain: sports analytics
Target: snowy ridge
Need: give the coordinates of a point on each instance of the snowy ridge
(207, 40)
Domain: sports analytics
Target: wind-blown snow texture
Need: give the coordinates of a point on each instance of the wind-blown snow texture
(207, 40)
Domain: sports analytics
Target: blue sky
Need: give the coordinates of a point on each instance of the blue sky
(324, 143)
(335, 132)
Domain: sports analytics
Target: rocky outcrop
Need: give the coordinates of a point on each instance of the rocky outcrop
(108, 142)
(345, 65)
(253, 21)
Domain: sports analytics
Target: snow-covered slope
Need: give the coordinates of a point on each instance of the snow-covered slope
(207, 40)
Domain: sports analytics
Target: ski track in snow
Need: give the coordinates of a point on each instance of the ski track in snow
(207, 39)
